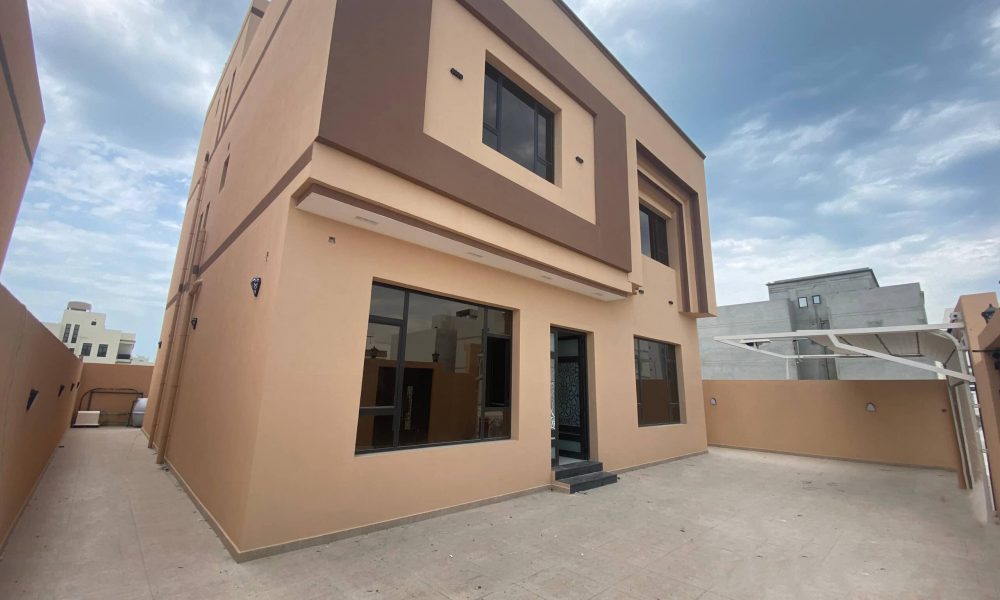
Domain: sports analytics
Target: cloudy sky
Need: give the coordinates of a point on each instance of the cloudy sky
(839, 135)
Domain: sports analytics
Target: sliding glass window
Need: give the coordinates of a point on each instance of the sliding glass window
(656, 387)
(436, 371)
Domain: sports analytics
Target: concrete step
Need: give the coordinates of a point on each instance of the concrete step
(582, 483)
(576, 468)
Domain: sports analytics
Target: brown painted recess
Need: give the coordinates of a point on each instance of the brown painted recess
(373, 108)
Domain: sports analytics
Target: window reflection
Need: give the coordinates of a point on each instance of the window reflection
(439, 373)
(656, 383)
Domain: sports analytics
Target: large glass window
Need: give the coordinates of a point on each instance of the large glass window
(656, 386)
(517, 125)
(653, 234)
(436, 371)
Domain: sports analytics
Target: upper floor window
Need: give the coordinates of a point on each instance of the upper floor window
(102, 350)
(803, 302)
(225, 172)
(517, 125)
(653, 234)
(66, 333)
(817, 300)
(86, 349)
(76, 332)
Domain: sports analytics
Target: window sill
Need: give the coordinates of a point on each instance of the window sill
(661, 425)
(429, 446)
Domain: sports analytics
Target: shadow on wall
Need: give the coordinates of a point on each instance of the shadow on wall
(38, 386)
(908, 422)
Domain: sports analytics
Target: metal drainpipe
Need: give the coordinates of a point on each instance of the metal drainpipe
(186, 275)
(174, 371)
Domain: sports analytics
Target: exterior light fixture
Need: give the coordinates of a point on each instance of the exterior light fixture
(194, 323)
(713, 401)
(870, 407)
(989, 312)
(579, 159)
(458, 74)
(364, 220)
(255, 286)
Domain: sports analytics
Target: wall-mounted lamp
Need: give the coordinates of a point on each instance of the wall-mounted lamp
(194, 323)
(989, 312)
(579, 159)
(713, 401)
(870, 407)
(255, 286)
(458, 74)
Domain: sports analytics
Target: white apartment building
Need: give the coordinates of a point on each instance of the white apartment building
(83, 332)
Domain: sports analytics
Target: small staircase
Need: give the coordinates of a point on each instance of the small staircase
(581, 476)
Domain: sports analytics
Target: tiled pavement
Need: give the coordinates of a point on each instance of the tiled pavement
(107, 524)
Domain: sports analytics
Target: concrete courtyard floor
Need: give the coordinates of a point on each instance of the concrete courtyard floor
(107, 523)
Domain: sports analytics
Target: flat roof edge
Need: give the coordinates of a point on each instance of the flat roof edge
(618, 65)
(823, 275)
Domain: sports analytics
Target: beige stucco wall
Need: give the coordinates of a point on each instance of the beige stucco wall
(111, 376)
(265, 417)
(912, 424)
(980, 336)
(30, 358)
(307, 425)
(264, 131)
(454, 109)
(15, 164)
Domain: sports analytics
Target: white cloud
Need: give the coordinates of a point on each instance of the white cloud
(889, 171)
(148, 33)
(754, 145)
(942, 264)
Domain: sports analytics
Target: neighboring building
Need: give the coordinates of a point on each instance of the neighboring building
(414, 225)
(21, 115)
(83, 331)
(842, 300)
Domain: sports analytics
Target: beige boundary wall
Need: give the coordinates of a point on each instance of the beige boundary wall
(119, 377)
(31, 358)
(912, 424)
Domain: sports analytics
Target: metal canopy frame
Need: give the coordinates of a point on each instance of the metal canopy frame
(939, 345)
(835, 341)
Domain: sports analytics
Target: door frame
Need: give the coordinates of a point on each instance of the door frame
(583, 360)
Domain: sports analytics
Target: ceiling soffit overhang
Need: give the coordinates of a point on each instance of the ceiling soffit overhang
(358, 212)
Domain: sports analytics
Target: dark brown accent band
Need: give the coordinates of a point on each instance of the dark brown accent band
(697, 239)
(9, 82)
(621, 68)
(265, 202)
(253, 72)
(373, 108)
(352, 200)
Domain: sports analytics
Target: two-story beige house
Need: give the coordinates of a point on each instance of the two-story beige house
(435, 253)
